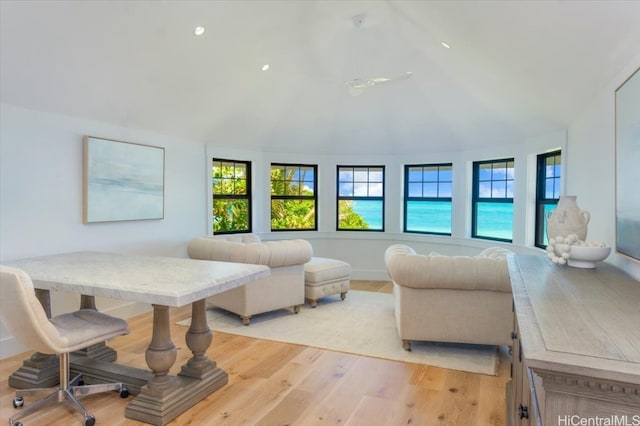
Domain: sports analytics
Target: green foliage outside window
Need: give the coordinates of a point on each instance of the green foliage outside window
(230, 216)
(348, 218)
(231, 199)
(293, 199)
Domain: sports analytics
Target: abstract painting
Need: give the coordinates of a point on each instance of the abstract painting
(627, 167)
(122, 181)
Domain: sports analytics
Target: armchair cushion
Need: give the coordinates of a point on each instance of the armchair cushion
(486, 271)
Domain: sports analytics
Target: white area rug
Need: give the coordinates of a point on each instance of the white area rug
(362, 324)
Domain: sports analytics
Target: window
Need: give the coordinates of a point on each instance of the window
(492, 205)
(427, 198)
(360, 198)
(547, 192)
(293, 197)
(231, 191)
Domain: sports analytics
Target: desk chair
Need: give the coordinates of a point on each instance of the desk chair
(26, 319)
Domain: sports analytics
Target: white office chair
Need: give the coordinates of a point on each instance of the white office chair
(26, 319)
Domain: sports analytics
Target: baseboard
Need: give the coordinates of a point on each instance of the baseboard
(370, 275)
(9, 346)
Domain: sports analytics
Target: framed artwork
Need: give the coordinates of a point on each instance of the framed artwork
(122, 181)
(627, 171)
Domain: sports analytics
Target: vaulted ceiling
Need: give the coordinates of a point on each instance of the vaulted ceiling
(514, 69)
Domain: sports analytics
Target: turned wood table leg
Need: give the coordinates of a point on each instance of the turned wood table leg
(165, 397)
(100, 350)
(161, 353)
(88, 302)
(198, 338)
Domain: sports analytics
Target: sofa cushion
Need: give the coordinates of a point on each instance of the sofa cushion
(487, 271)
(239, 238)
(271, 253)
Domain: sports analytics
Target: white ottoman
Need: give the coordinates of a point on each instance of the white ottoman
(324, 277)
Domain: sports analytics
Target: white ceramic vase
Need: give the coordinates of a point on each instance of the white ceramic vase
(567, 218)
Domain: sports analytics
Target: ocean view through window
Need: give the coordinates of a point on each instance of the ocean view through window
(427, 198)
(360, 198)
(492, 200)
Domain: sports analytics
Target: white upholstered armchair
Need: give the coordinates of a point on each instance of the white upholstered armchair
(284, 288)
(458, 299)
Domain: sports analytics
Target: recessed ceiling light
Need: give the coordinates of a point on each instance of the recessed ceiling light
(265, 67)
(445, 45)
(198, 31)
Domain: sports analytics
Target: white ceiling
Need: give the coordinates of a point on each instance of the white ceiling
(515, 68)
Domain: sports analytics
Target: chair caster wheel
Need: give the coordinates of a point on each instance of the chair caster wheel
(18, 401)
(89, 421)
(124, 393)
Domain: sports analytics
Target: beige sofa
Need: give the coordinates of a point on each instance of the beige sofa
(284, 288)
(457, 299)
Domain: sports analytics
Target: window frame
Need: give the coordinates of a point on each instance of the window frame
(362, 198)
(314, 197)
(248, 196)
(408, 198)
(541, 199)
(476, 199)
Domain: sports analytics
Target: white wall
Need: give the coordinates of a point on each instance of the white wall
(41, 198)
(590, 172)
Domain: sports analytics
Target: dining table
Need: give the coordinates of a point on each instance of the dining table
(162, 282)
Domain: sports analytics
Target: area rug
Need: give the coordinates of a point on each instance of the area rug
(362, 324)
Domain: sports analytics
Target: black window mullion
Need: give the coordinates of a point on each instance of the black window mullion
(542, 198)
(477, 199)
(294, 191)
(430, 175)
(231, 196)
(354, 181)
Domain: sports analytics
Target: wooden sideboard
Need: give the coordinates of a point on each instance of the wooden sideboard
(576, 345)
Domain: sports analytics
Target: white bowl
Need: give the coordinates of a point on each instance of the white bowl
(586, 257)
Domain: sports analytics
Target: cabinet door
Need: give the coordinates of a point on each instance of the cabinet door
(536, 397)
(521, 405)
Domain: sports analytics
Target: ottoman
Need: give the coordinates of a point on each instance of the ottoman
(324, 277)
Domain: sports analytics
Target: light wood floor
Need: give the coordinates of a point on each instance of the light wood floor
(274, 383)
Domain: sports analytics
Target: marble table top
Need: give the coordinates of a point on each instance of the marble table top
(149, 279)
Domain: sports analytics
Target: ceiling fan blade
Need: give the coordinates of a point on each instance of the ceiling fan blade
(381, 80)
(358, 84)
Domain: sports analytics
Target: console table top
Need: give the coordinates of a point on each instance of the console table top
(585, 320)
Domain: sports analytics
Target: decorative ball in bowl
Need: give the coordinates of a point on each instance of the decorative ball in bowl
(583, 256)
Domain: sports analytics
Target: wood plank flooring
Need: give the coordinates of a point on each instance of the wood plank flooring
(277, 384)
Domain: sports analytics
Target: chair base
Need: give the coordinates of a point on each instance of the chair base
(63, 393)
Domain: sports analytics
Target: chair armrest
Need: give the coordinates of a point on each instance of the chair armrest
(271, 253)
